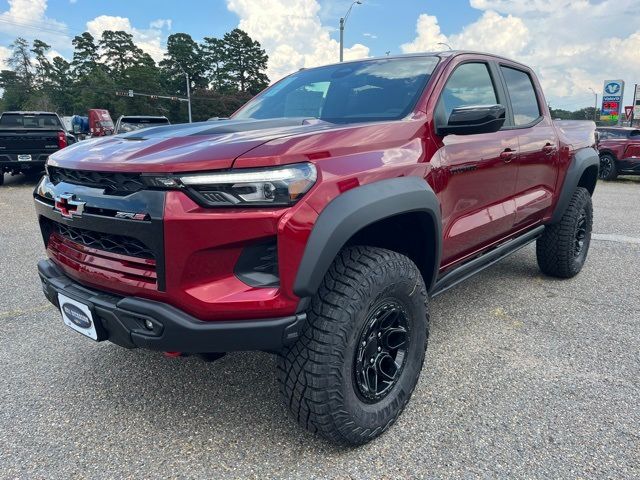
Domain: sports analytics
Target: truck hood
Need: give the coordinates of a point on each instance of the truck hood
(183, 147)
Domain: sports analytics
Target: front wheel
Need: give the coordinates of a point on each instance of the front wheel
(357, 362)
(608, 170)
(562, 249)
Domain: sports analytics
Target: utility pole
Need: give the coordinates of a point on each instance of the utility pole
(595, 105)
(188, 96)
(343, 21)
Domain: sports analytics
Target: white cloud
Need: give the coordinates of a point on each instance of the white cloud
(161, 23)
(27, 19)
(369, 35)
(4, 55)
(573, 45)
(292, 34)
(150, 40)
(428, 36)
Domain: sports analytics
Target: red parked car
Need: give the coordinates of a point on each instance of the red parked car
(619, 149)
(318, 222)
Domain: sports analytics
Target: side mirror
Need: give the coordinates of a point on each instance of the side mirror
(474, 119)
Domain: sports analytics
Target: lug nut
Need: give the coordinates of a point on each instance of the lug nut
(148, 324)
(371, 361)
(379, 349)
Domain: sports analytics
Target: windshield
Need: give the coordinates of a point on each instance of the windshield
(131, 124)
(369, 90)
(20, 120)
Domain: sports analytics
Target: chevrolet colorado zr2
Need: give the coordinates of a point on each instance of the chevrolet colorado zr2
(317, 222)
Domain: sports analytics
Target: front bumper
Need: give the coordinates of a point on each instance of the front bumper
(121, 320)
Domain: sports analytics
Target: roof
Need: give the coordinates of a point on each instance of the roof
(26, 112)
(441, 53)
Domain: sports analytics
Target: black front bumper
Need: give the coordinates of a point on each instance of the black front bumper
(122, 320)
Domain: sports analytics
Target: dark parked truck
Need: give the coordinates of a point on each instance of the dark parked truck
(27, 139)
(317, 223)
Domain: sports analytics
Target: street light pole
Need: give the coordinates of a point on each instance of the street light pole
(188, 95)
(595, 105)
(343, 21)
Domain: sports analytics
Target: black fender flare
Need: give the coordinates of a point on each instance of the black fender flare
(356, 209)
(582, 160)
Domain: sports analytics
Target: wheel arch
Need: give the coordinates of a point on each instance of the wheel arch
(582, 172)
(370, 215)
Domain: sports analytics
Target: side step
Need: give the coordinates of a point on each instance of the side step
(485, 260)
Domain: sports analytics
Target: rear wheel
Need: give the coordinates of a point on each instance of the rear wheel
(358, 360)
(562, 249)
(608, 170)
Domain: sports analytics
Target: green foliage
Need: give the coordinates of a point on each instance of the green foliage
(223, 73)
(235, 63)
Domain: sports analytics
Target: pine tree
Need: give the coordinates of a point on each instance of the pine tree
(20, 62)
(244, 62)
(85, 55)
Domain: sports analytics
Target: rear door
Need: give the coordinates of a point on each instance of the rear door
(537, 162)
(476, 173)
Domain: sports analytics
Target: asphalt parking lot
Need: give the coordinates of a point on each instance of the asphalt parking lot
(525, 377)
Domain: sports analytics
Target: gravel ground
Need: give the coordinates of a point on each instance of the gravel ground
(525, 377)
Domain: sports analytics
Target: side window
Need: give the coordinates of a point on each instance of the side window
(524, 101)
(469, 84)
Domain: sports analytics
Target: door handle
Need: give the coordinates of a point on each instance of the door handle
(549, 149)
(507, 155)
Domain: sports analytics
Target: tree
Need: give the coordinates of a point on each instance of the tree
(42, 64)
(224, 74)
(85, 54)
(20, 62)
(183, 55)
(14, 95)
(214, 53)
(119, 52)
(244, 62)
(62, 85)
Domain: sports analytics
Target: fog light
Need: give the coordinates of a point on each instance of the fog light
(148, 324)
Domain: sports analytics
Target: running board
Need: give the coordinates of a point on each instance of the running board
(485, 260)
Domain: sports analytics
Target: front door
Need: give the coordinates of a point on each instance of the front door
(477, 173)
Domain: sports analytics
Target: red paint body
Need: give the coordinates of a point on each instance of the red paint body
(499, 196)
(624, 145)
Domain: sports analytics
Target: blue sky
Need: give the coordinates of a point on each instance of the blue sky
(203, 18)
(573, 46)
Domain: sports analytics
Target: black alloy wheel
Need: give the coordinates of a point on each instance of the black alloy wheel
(381, 353)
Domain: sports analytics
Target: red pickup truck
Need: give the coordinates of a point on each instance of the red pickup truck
(317, 223)
(619, 149)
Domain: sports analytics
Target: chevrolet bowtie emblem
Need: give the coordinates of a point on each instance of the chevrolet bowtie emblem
(67, 206)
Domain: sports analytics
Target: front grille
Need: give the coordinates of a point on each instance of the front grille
(113, 183)
(118, 244)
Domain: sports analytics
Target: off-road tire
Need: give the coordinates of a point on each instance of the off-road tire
(316, 374)
(608, 169)
(557, 248)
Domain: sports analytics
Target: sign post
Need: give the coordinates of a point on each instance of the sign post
(636, 102)
(612, 94)
(628, 113)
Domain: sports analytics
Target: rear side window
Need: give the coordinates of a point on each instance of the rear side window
(470, 84)
(524, 101)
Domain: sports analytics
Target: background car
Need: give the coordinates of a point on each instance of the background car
(129, 123)
(619, 149)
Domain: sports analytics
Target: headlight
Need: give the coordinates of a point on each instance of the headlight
(266, 186)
